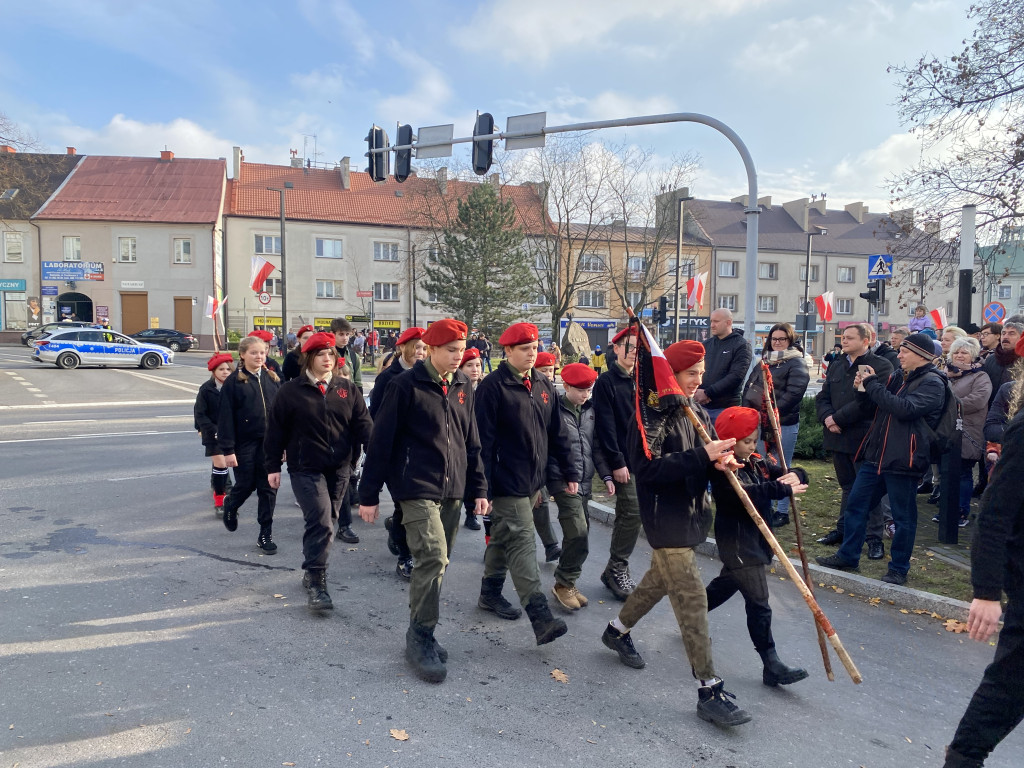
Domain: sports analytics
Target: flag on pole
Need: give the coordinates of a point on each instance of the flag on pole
(824, 304)
(695, 291)
(656, 391)
(261, 269)
(213, 306)
(938, 317)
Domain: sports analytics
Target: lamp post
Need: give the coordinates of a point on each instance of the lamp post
(679, 257)
(284, 282)
(807, 281)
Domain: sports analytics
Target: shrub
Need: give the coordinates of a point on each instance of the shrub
(810, 439)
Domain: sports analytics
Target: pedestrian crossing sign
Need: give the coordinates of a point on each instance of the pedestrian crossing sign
(880, 267)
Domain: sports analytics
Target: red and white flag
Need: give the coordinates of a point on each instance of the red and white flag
(261, 269)
(938, 317)
(825, 304)
(213, 305)
(695, 290)
(656, 389)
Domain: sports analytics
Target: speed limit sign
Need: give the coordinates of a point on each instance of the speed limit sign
(264, 298)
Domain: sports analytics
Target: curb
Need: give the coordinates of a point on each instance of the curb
(861, 586)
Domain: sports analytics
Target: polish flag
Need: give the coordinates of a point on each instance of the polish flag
(695, 291)
(213, 305)
(825, 304)
(938, 317)
(261, 269)
(656, 388)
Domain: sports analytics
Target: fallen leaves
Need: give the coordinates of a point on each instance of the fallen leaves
(952, 625)
(560, 676)
(280, 597)
(399, 734)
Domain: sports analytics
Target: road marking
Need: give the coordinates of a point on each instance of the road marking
(63, 421)
(41, 406)
(180, 416)
(165, 382)
(138, 477)
(102, 434)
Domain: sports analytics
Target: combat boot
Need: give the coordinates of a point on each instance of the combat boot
(315, 583)
(545, 626)
(491, 599)
(714, 706)
(955, 760)
(421, 653)
(616, 578)
(266, 541)
(389, 523)
(777, 673)
(622, 644)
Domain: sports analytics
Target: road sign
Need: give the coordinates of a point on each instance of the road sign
(364, 294)
(880, 267)
(264, 298)
(994, 312)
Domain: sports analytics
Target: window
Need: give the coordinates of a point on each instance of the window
(728, 268)
(432, 297)
(13, 247)
(916, 277)
(594, 299)
(591, 262)
(949, 309)
(540, 300)
(433, 252)
(541, 261)
(844, 306)
(385, 251)
(884, 309)
(15, 310)
(1005, 291)
(636, 265)
(72, 248)
(768, 270)
(126, 249)
(182, 250)
(685, 268)
(846, 274)
(803, 273)
(766, 303)
(328, 249)
(268, 244)
(273, 286)
(727, 301)
(633, 298)
(385, 291)
(330, 289)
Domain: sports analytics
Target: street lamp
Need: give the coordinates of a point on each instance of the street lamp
(807, 280)
(284, 282)
(679, 257)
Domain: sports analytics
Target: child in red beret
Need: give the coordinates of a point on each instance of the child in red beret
(206, 413)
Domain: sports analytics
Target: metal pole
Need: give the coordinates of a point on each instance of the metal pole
(679, 259)
(284, 280)
(807, 286)
(964, 308)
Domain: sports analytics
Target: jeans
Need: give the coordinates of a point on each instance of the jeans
(867, 492)
(966, 485)
(788, 434)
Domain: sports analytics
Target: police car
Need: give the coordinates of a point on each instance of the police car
(96, 346)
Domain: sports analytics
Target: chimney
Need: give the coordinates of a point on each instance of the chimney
(344, 167)
(742, 200)
(72, 151)
(797, 209)
(442, 180)
(765, 202)
(166, 156)
(819, 205)
(495, 179)
(7, 149)
(857, 210)
(237, 158)
(931, 227)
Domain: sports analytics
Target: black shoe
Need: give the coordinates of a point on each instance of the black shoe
(392, 546)
(876, 550)
(421, 653)
(780, 519)
(934, 498)
(266, 542)
(346, 534)
(776, 673)
(892, 577)
(315, 583)
(955, 760)
(964, 521)
(491, 600)
(832, 539)
(231, 519)
(616, 578)
(442, 653)
(714, 706)
(546, 627)
(925, 487)
(622, 644)
(835, 561)
(404, 568)
(552, 552)
(472, 523)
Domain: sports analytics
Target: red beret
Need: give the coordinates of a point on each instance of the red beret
(263, 335)
(318, 341)
(579, 375)
(737, 422)
(444, 332)
(519, 333)
(544, 359)
(305, 329)
(1019, 349)
(223, 357)
(409, 334)
(630, 331)
(683, 354)
(471, 353)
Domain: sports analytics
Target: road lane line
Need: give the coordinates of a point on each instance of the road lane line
(40, 406)
(61, 421)
(103, 434)
(157, 380)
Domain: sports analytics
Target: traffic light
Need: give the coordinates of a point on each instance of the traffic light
(483, 151)
(379, 162)
(663, 309)
(873, 293)
(656, 316)
(403, 157)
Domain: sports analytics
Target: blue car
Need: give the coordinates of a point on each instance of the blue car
(95, 346)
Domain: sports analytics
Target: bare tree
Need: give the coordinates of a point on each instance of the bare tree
(17, 173)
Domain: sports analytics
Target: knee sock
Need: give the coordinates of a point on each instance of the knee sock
(219, 478)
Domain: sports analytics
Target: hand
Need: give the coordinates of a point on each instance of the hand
(621, 475)
(830, 422)
(610, 487)
(274, 479)
(230, 460)
(369, 514)
(572, 488)
(480, 507)
(716, 449)
(701, 397)
(727, 463)
(983, 619)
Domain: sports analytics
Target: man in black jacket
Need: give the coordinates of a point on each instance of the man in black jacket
(846, 420)
(726, 365)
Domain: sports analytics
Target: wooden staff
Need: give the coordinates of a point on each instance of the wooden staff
(773, 419)
(819, 615)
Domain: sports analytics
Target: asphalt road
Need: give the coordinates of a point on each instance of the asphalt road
(135, 630)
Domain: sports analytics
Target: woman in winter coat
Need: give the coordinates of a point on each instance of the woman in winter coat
(973, 386)
(245, 401)
(207, 414)
(789, 375)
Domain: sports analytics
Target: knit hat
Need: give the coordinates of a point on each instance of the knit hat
(223, 357)
(684, 354)
(919, 344)
(471, 353)
(410, 334)
(444, 332)
(519, 333)
(579, 375)
(544, 359)
(317, 342)
(265, 336)
(737, 422)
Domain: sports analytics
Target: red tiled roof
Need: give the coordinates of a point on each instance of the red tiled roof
(178, 191)
(317, 195)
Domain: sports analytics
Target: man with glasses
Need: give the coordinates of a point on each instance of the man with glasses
(989, 338)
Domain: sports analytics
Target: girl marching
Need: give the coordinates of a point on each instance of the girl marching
(207, 414)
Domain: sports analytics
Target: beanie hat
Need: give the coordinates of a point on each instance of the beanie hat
(920, 344)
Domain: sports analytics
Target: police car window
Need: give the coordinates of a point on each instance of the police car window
(117, 338)
(89, 336)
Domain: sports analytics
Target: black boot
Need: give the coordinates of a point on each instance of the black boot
(471, 522)
(315, 583)
(492, 600)
(714, 706)
(421, 654)
(616, 578)
(266, 541)
(955, 760)
(777, 673)
(545, 626)
(622, 644)
(388, 524)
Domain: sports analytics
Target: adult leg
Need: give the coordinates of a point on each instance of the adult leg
(789, 434)
(966, 487)
(313, 492)
(859, 504)
(846, 474)
(512, 525)
(430, 542)
(690, 604)
(496, 562)
(903, 500)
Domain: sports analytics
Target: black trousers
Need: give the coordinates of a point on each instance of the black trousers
(250, 475)
(398, 533)
(752, 583)
(998, 705)
(321, 495)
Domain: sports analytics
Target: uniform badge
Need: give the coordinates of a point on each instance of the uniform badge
(544, 396)
(652, 400)
(343, 393)
(462, 398)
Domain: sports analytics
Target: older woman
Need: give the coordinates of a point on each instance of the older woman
(949, 334)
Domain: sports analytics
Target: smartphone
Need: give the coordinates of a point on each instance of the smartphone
(863, 370)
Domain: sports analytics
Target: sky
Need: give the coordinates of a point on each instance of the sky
(803, 83)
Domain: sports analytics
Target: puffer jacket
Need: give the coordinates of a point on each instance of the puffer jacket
(790, 378)
(586, 454)
(839, 400)
(974, 388)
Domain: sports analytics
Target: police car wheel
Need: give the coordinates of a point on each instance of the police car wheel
(67, 360)
(174, 346)
(150, 361)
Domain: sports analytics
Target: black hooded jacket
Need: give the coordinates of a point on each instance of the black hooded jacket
(725, 368)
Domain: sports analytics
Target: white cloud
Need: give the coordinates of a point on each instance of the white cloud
(426, 102)
(782, 47)
(124, 136)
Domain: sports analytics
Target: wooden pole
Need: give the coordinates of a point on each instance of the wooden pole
(819, 616)
(795, 509)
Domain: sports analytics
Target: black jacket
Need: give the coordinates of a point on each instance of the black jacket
(898, 441)
(425, 444)
(291, 367)
(244, 407)
(207, 411)
(995, 421)
(725, 368)
(885, 350)
(585, 452)
(614, 410)
(789, 382)
(671, 488)
(997, 365)
(319, 432)
(997, 549)
(518, 430)
(839, 400)
(381, 384)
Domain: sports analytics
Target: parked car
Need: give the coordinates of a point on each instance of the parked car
(28, 337)
(70, 348)
(176, 341)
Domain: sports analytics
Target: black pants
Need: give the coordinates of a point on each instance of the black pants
(321, 495)
(398, 533)
(846, 472)
(250, 475)
(752, 583)
(998, 705)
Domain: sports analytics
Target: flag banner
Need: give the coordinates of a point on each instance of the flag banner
(657, 391)
(695, 291)
(211, 307)
(938, 317)
(824, 304)
(261, 269)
